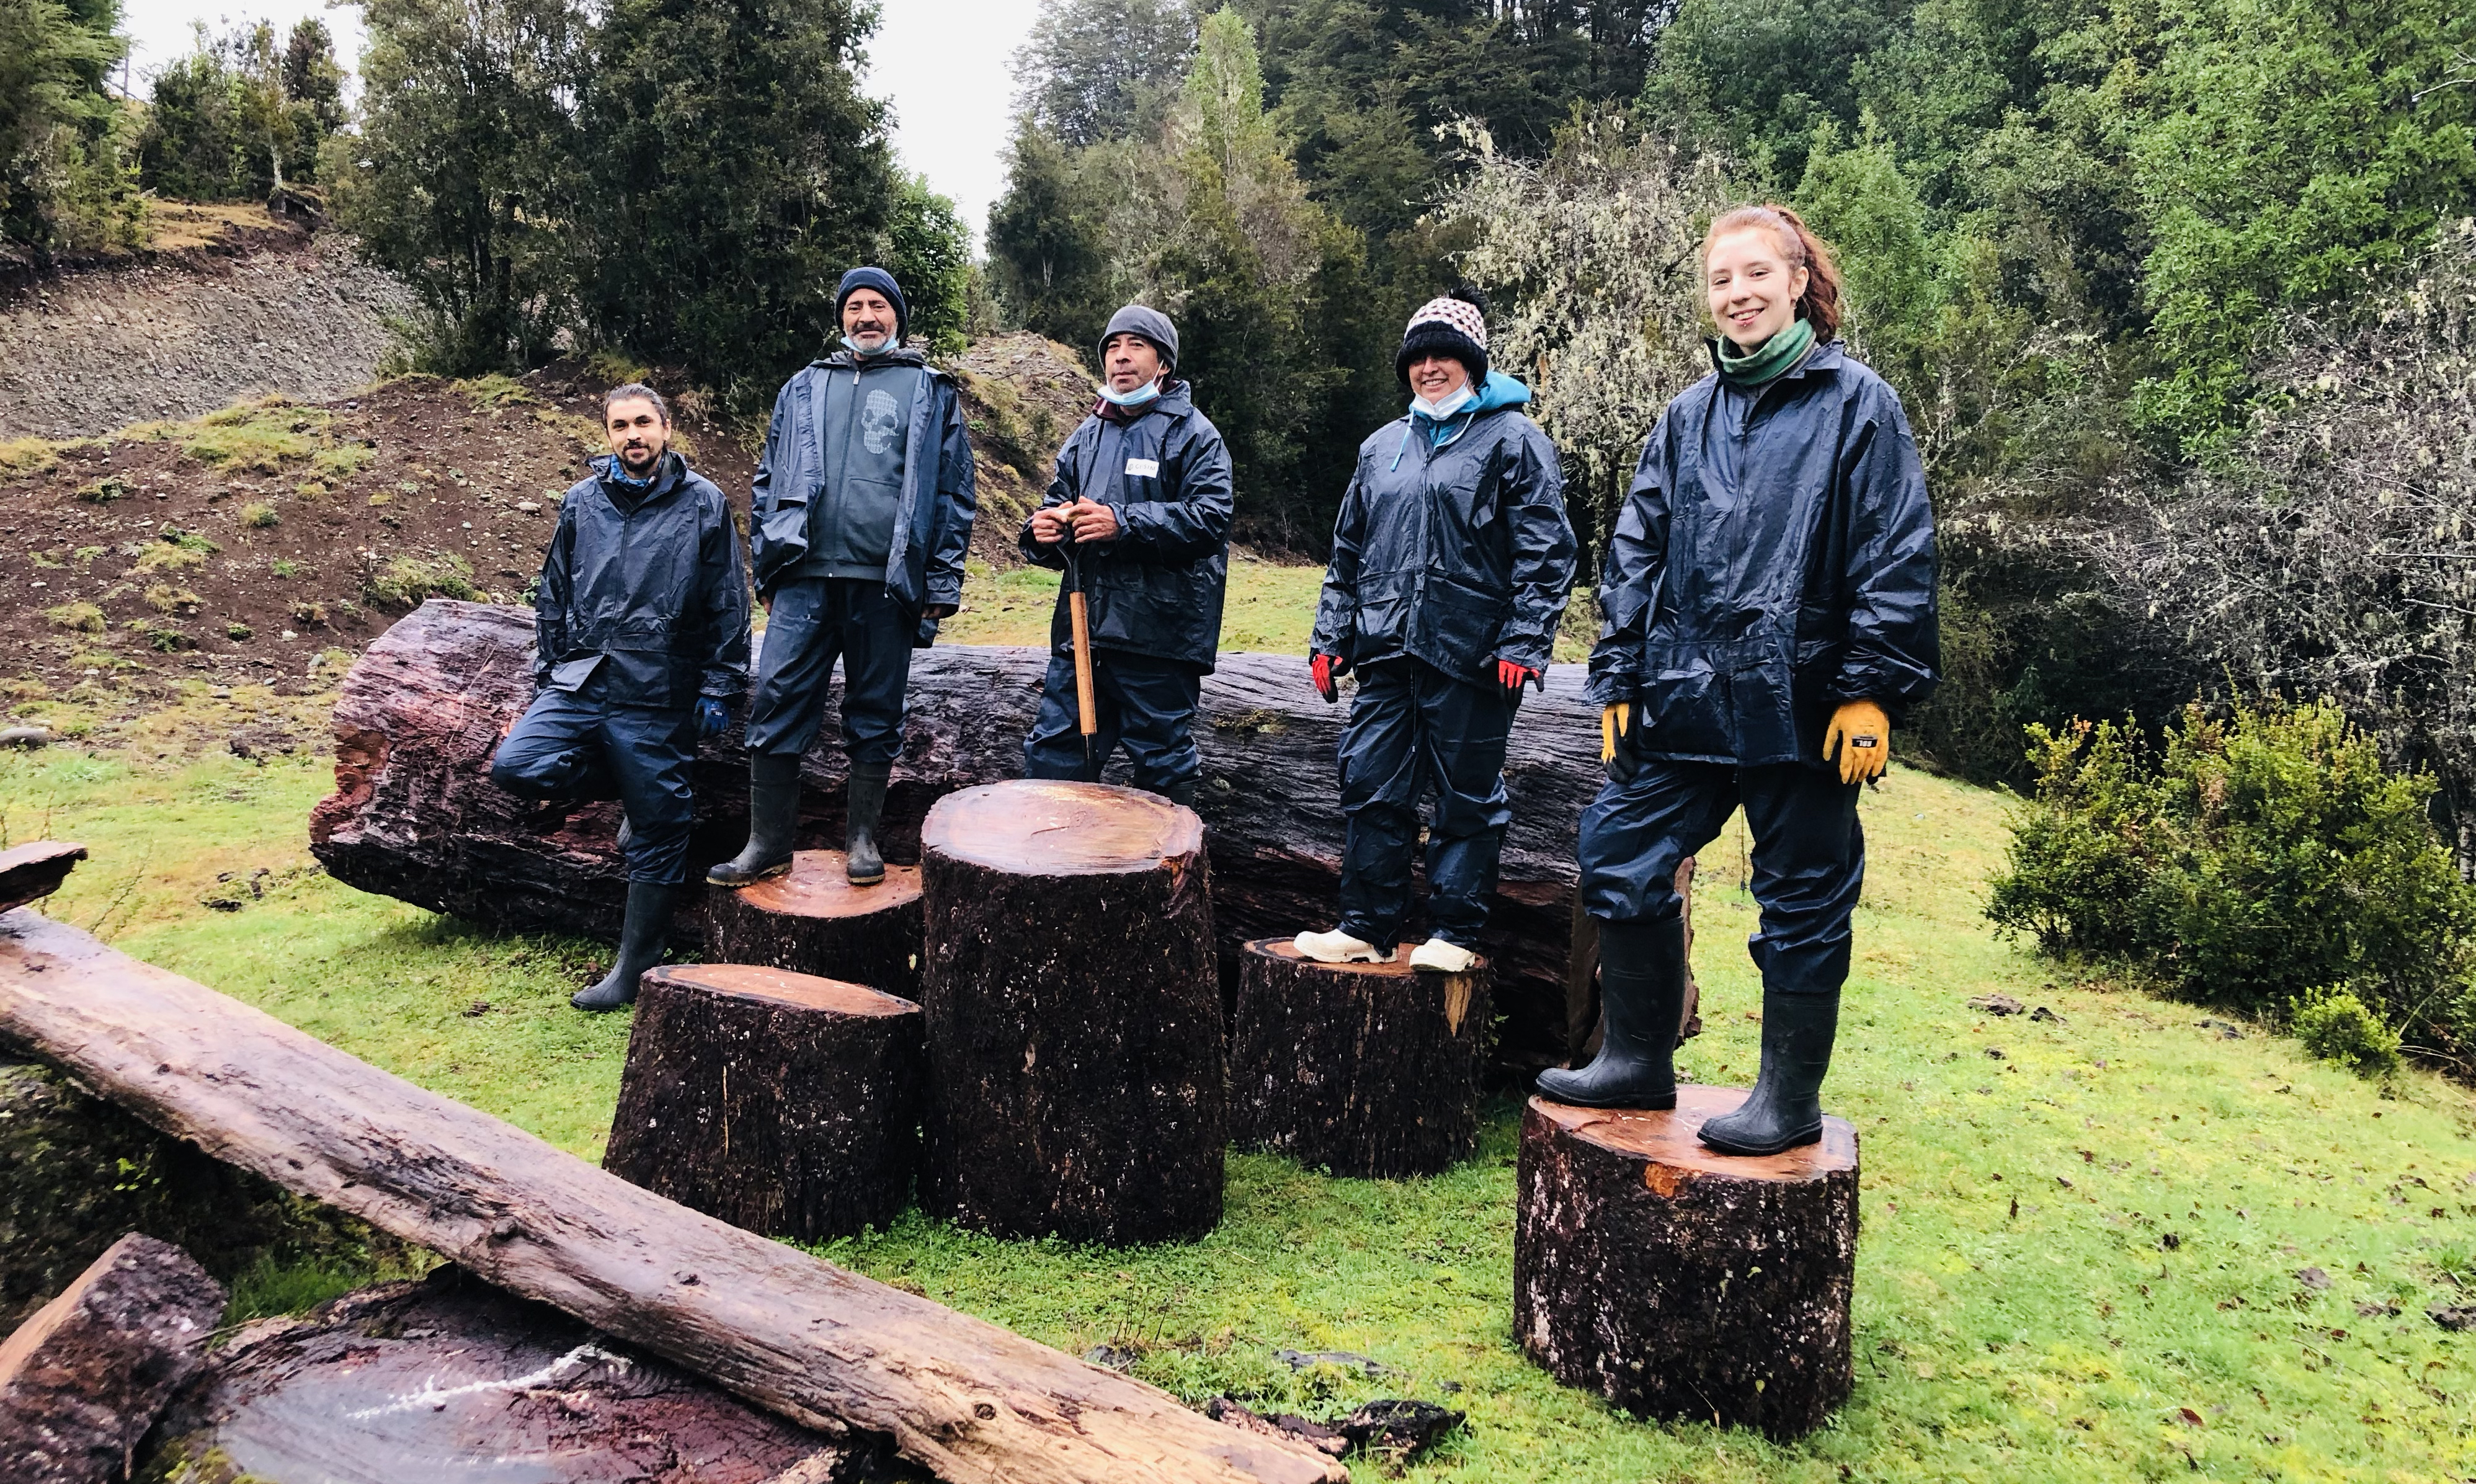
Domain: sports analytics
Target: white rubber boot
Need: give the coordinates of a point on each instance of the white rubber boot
(1441, 957)
(1338, 948)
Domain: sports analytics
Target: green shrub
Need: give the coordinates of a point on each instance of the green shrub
(104, 490)
(259, 517)
(406, 580)
(236, 632)
(2254, 862)
(2335, 1026)
(77, 617)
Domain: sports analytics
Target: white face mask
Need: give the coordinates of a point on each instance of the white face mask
(1451, 401)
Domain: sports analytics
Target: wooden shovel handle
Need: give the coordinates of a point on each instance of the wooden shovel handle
(1085, 716)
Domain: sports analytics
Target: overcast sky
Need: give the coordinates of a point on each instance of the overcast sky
(943, 64)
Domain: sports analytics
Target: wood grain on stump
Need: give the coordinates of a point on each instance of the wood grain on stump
(782, 1102)
(814, 921)
(1679, 1282)
(1367, 1070)
(1074, 1014)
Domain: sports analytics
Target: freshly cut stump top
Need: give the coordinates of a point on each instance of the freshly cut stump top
(1364, 1068)
(1073, 1015)
(1045, 829)
(818, 887)
(814, 921)
(1680, 1282)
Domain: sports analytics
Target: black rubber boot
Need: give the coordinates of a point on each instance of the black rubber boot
(640, 948)
(773, 817)
(867, 802)
(1642, 983)
(1785, 1108)
(1181, 792)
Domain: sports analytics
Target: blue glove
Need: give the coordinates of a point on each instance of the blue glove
(712, 719)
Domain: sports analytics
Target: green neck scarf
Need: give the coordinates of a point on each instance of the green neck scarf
(1764, 361)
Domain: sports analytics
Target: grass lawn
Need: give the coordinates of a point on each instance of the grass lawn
(2126, 1247)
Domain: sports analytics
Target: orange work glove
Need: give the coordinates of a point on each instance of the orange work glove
(1859, 739)
(1320, 668)
(1513, 677)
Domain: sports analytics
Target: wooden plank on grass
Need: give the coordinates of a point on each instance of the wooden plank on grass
(826, 1347)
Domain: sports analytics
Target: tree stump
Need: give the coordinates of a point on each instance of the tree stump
(784, 1103)
(1679, 1282)
(1074, 1014)
(1367, 1070)
(814, 921)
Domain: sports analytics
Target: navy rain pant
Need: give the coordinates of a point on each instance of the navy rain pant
(1145, 703)
(1412, 726)
(574, 745)
(1809, 856)
(814, 619)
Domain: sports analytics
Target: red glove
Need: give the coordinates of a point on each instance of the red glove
(1320, 666)
(1513, 677)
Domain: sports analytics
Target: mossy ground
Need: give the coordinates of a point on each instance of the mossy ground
(2128, 1248)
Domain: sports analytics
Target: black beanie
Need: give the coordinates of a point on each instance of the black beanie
(884, 283)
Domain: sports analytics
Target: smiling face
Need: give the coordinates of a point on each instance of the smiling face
(1752, 286)
(1434, 378)
(639, 432)
(1131, 361)
(868, 318)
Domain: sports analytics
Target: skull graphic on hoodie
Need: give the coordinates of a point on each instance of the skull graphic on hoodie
(877, 421)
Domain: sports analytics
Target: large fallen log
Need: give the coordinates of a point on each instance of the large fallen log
(415, 816)
(827, 1349)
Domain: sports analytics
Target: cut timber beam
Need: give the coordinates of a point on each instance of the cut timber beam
(798, 1336)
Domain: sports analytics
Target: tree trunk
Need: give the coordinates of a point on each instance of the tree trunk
(1683, 1284)
(827, 1349)
(786, 1104)
(82, 1381)
(415, 816)
(1367, 1070)
(35, 870)
(449, 1381)
(814, 921)
(1075, 1033)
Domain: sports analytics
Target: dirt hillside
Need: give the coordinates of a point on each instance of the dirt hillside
(268, 542)
(252, 305)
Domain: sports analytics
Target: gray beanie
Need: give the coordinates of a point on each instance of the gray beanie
(1151, 324)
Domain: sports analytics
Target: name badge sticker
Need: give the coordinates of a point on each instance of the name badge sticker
(1144, 468)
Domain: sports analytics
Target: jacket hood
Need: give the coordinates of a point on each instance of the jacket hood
(1500, 390)
(900, 356)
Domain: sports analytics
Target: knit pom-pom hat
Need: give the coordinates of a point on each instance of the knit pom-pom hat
(1454, 325)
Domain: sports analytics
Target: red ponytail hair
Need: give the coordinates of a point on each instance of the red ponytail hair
(1820, 303)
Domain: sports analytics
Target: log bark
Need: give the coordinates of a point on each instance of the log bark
(1683, 1284)
(784, 1103)
(31, 872)
(814, 921)
(805, 1340)
(449, 1381)
(82, 1381)
(414, 815)
(1367, 1070)
(1074, 1009)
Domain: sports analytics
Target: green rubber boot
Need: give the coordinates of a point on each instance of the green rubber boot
(773, 817)
(866, 806)
(640, 948)
(1785, 1108)
(1642, 983)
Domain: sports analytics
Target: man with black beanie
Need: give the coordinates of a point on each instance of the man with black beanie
(1139, 517)
(861, 512)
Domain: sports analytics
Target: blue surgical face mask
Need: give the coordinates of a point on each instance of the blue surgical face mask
(1131, 399)
(1452, 402)
(853, 346)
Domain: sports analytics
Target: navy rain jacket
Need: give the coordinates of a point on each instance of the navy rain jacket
(933, 520)
(644, 590)
(1761, 575)
(1156, 588)
(1452, 545)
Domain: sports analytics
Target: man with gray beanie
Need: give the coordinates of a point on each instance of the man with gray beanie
(1138, 517)
(861, 512)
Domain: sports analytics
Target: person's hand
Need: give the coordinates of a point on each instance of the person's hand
(1049, 525)
(1320, 668)
(939, 612)
(1094, 521)
(713, 718)
(1615, 722)
(1513, 677)
(1859, 739)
